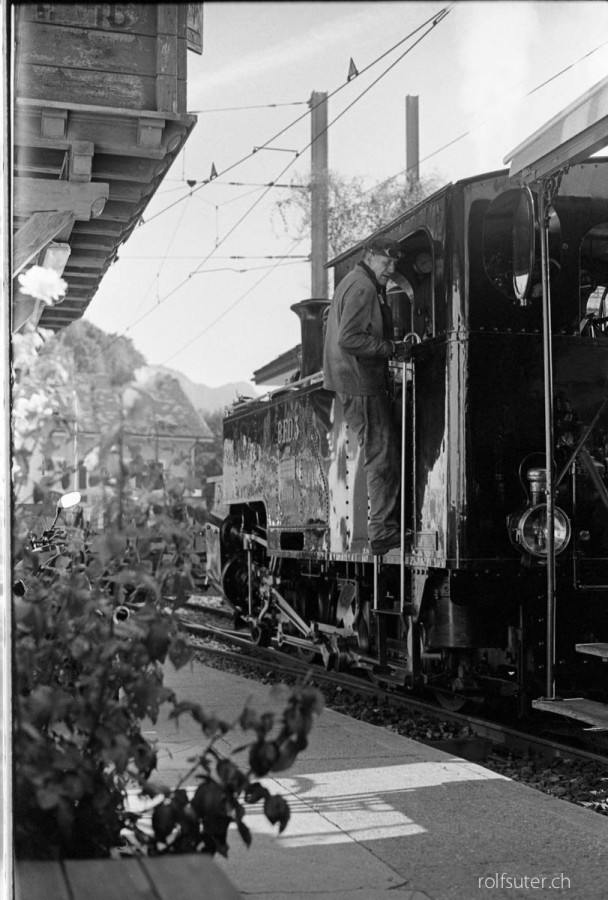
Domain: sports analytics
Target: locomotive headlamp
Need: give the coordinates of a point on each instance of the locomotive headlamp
(528, 528)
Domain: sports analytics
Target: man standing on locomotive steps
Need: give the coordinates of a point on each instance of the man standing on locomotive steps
(358, 345)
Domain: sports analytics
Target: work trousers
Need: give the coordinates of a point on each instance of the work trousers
(371, 420)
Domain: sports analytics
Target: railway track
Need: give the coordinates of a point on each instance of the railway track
(470, 736)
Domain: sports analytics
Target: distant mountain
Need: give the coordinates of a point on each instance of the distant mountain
(209, 399)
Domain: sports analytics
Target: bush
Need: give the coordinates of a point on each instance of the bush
(84, 681)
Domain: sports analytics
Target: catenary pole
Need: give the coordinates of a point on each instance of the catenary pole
(319, 195)
(412, 149)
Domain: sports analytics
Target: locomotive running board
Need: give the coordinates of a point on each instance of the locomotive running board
(576, 708)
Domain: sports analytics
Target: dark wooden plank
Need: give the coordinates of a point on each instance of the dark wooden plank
(88, 49)
(189, 877)
(102, 879)
(80, 86)
(35, 234)
(134, 18)
(37, 880)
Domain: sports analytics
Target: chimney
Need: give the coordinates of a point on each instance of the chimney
(310, 313)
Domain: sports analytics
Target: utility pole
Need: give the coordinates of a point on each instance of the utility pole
(412, 153)
(319, 194)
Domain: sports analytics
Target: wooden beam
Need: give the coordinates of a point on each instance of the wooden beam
(75, 306)
(129, 192)
(166, 58)
(83, 278)
(100, 226)
(101, 243)
(41, 228)
(27, 103)
(138, 135)
(125, 168)
(121, 211)
(88, 262)
(81, 200)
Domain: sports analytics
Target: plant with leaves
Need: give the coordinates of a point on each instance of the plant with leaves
(184, 823)
(83, 684)
(354, 210)
(84, 680)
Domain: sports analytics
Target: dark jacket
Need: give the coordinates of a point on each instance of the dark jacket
(357, 342)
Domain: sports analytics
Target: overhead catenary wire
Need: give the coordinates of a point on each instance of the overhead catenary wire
(435, 20)
(164, 259)
(227, 310)
(255, 106)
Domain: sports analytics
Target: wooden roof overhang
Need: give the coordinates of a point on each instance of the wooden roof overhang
(116, 160)
(99, 116)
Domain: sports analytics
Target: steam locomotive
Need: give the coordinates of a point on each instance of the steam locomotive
(460, 608)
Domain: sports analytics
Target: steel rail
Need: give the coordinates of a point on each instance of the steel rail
(497, 734)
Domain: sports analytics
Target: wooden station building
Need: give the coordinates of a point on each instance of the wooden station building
(99, 116)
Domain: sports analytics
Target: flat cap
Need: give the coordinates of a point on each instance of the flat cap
(385, 247)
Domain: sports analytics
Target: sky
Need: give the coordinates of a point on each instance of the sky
(480, 78)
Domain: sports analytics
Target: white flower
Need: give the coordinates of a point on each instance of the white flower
(91, 460)
(43, 284)
(130, 397)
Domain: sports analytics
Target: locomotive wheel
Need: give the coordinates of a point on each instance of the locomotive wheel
(454, 701)
(305, 655)
(234, 582)
(451, 702)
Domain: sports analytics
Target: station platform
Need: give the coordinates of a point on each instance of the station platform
(377, 816)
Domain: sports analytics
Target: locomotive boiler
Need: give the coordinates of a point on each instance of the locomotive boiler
(459, 609)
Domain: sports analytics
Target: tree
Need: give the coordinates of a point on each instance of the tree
(354, 211)
(94, 352)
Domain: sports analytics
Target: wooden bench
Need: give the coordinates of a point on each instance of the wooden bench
(188, 877)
